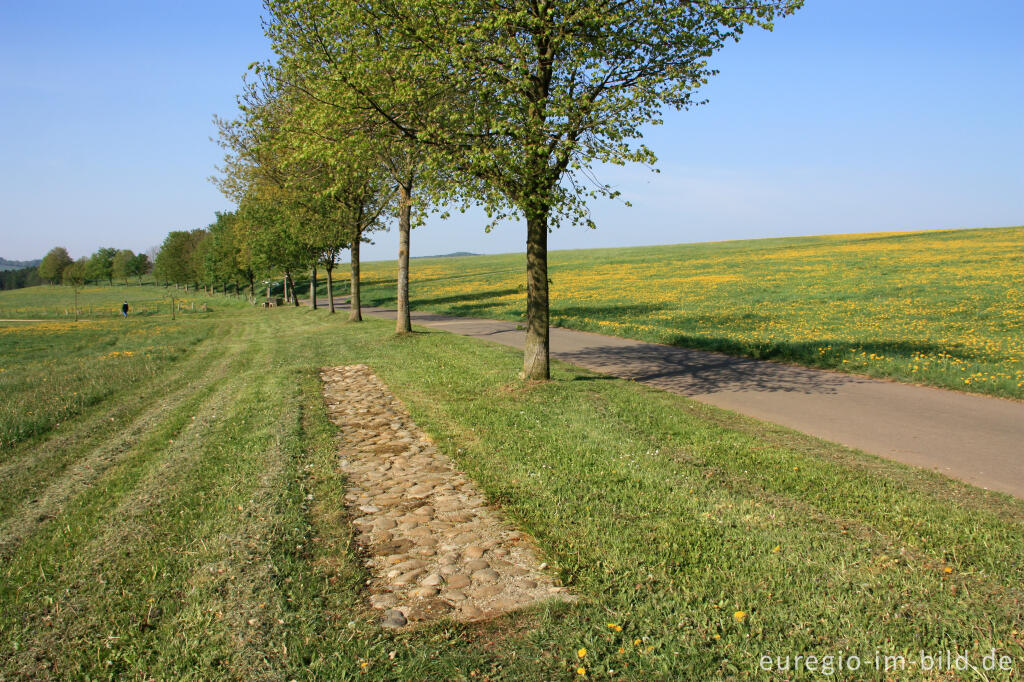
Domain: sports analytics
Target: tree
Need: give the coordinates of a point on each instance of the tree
(174, 262)
(52, 267)
(101, 265)
(546, 89)
(74, 275)
(330, 56)
(139, 266)
(221, 265)
(121, 265)
(20, 278)
(329, 197)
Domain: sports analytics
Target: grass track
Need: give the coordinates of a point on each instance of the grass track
(213, 543)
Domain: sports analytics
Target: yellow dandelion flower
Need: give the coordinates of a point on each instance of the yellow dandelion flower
(581, 653)
(615, 626)
(947, 569)
(581, 671)
(776, 549)
(740, 616)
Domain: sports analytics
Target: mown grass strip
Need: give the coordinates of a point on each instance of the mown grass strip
(705, 539)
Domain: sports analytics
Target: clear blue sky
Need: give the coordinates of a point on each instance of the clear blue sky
(854, 115)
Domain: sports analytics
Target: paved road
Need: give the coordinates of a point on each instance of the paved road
(975, 438)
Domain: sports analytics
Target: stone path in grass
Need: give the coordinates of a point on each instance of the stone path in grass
(433, 546)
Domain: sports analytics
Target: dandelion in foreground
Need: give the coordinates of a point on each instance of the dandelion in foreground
(947, 569)
(740, 616)
(615, 627)
(581, 653)
(581, 671)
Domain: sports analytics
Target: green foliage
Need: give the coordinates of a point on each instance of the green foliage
(20, 278)
(139, 266)
(535, 94)
(176, 260)
(122, 264)
(52, 267)
(76, 273)
(101, 265)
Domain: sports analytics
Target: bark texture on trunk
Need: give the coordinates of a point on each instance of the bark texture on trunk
(312, 288)
(356, 312)
(330, 286)
(535, 356)
(403, 322)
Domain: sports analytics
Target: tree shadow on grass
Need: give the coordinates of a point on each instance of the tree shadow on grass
(810, 352)
(461, 304)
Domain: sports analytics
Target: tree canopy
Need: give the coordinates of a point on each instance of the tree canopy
(52, 266)
(538, 93)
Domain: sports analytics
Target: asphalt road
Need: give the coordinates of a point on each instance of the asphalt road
(974, 438)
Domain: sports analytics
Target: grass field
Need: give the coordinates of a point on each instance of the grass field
(98, 301)
(939, 308)
(187, 520)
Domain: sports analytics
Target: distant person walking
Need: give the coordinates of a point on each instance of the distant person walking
(124, 309)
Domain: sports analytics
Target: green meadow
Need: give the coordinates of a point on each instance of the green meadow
(184, 518)
(939, 308)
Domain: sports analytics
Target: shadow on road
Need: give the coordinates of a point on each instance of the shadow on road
(700, 373)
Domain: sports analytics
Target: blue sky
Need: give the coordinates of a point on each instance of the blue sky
(852, 116)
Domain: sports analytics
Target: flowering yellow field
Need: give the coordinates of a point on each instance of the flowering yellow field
(943, 308)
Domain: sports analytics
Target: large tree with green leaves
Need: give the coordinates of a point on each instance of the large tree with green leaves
(101, 264)
(175, 262)
(140, 265)
(325, 198)
(350, 91)
(52, 266)
(545, 90)
(121, 264)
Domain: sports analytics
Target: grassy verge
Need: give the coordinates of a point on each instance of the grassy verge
(213, 543)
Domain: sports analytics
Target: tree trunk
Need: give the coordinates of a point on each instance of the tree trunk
(287, 299)
(535, 357)
(403, 323)
(355, 313)
(330, 286)
(312, 288)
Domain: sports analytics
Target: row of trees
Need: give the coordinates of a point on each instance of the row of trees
(389, 107)
(385, 109)
(19, 278)
(106, 264)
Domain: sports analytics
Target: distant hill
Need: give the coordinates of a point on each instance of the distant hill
(457, 254)
(17, 264)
